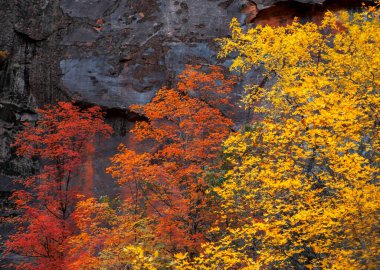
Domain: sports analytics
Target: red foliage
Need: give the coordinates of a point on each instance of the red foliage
(61, 139)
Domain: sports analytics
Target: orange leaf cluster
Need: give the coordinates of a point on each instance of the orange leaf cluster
(168, 183)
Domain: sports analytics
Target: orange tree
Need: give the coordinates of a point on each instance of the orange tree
(61, 140)
(168, 183)
(165, 208)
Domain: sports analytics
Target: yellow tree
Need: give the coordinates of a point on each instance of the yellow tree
(303, 190)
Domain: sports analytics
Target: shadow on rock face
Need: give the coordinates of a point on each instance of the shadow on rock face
(284, 12)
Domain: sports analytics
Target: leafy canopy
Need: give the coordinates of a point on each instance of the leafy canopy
(165, 208)
(303, 190)
(61, 139)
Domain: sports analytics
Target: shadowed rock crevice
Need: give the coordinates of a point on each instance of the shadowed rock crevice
(284, 12)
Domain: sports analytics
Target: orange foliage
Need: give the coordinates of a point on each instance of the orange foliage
(168, 184)
(61, 139)
(107, 234)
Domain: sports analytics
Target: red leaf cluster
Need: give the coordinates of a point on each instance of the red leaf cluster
(61, 140)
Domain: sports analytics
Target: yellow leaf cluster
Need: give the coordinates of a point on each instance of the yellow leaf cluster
(303, 189)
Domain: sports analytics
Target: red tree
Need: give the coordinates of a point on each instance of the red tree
(168, 183)
(61, 139)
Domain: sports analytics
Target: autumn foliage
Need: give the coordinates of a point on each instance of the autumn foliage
(296, 189)
(168, 183)
(113, 237)
(303, 190)
(165, 208)
(61, 140)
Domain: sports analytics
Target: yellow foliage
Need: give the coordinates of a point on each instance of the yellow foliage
(303, 189)
(112, 239)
